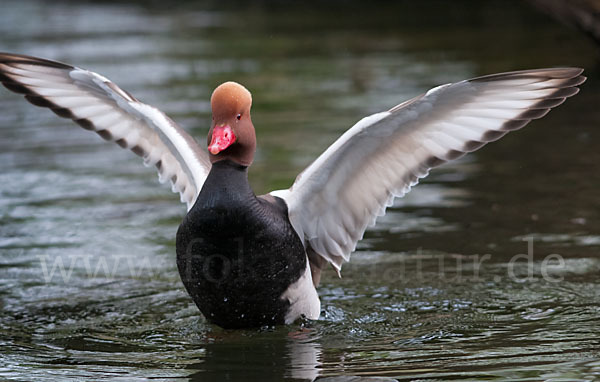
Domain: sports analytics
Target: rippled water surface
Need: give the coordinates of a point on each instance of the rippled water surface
(88, 282)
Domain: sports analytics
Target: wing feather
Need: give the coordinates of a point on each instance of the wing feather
(332, 202)
(97, 104)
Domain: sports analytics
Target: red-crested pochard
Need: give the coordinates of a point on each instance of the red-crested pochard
(250, 260)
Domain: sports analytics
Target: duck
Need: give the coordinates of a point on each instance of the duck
(251, 261)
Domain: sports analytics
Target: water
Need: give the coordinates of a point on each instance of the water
(88, 283)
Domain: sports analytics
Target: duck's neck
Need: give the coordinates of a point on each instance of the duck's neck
(226, 184)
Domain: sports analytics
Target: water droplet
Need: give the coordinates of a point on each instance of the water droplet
(225, 299)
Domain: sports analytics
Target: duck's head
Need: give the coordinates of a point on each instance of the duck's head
(231, 135)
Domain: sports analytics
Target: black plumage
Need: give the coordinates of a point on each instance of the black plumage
(238, 253)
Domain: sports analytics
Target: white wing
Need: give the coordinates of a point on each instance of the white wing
(381, 157)
(97, 104)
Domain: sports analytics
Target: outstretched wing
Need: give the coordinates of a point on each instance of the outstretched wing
(333, 201)
(97, 104)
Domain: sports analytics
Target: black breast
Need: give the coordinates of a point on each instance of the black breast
(236, 253)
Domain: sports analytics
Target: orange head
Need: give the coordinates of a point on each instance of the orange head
(231, 135)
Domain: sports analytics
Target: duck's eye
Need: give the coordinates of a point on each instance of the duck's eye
(239, 116)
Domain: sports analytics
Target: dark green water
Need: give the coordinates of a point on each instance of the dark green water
(89, 288)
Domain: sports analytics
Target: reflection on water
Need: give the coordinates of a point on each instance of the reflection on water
(264, 356)
(487, 270)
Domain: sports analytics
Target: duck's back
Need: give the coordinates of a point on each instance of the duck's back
(238, 254)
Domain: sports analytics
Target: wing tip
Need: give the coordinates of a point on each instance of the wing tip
(544, 73)
(14, 58)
